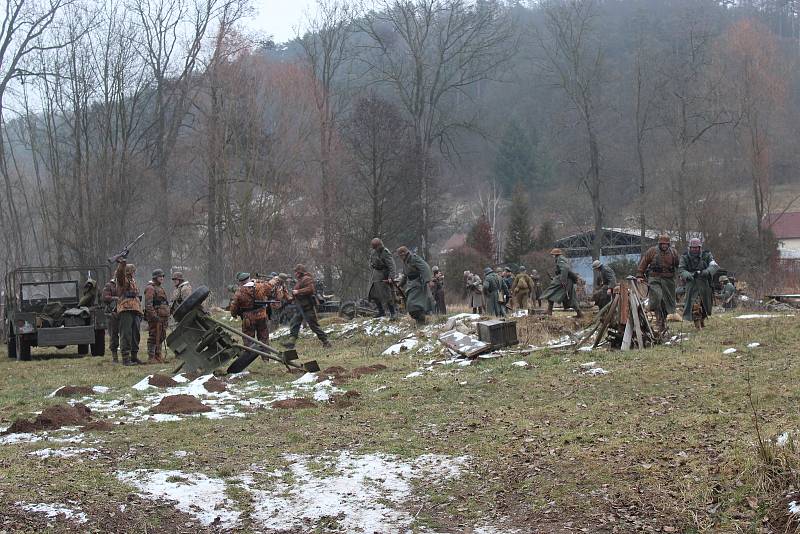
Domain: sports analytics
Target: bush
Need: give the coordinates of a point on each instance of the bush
(454, 264)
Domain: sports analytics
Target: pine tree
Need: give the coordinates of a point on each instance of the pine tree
(480, 238)
(519, 241)
(546, 236)
(516, 159)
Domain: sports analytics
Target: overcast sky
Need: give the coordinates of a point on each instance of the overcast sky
(281, 18)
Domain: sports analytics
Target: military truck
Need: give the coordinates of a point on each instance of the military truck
(41, 310)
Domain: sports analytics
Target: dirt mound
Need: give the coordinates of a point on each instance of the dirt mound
(100, 426)
(52, 418)
(334, 370)
(368, 370)
(344, 400)
(162, 381)
(215, 385)
(180, 404)
(293, 403)
(74, 391)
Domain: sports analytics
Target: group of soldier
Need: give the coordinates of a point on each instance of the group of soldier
(502, 290)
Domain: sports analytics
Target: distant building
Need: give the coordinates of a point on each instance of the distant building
(617, 244)
(786, 228)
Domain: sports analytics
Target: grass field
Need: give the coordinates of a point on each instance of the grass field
(665, 442)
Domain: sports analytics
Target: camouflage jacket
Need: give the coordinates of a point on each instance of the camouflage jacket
(244, 300)
(127, 292)
(156, 304)
(181, 293)
(658, 263)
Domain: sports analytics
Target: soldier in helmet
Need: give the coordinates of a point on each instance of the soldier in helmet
(437, 286)
(415, 279)
(243, 304)
(129, 311)
(697, 268)
(536, 294)
(110, 302)
(182, 290)
(562, 286)
(728, 293)
(89, 296)
(383, 271)
(304, 298)
(659, 264)
(605, 280)
(493, 292)
(521, 288)
(156, 313)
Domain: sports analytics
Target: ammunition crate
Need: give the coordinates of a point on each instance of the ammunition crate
(498, 333)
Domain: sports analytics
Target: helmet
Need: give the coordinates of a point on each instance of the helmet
(695, 242)
(663, 238)
(273, 274)
(556, 252)
(488, 270)
(283, 276)
(522, 268)
(402, 251)
(90, 282)
(130, 268)
(157, 272)
(723, 278)
(435, 268)
(177, 275)
(242, 276)
(596, 264)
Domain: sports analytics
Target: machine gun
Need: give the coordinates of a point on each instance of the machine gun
(203, 343)
(125, 250)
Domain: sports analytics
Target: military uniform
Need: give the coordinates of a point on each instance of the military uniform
(129, 311)
(243, 304)
(305, 302)
(605, 279)
(156, 313)
(521, 289)
(383, 268)
(492, 291)
(660, 266)
(697, 270)
(89, 297)
(475, 287)
(562, 286)
(181, 291)
(438, 293)
(728, 294)
(537, 288)
(416, 276)
(110, 301)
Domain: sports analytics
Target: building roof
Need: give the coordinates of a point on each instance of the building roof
(616, 241)
(784, 225)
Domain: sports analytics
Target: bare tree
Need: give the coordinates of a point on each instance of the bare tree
(573, 61)
(434, 54)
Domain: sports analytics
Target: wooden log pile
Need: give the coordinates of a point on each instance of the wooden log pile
(623, 322)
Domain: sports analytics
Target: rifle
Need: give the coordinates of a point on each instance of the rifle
(125, 250)
(393, 284)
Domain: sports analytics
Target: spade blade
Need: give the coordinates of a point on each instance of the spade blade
(311, 367)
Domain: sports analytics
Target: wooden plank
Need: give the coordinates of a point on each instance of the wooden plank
(624, 304)
(627, 336)
(637, 328)
(606, 321)
(463, 343)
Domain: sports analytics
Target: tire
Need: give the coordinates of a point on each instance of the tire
(241, 363)
(348, 309)
(12, 347)
(99, 345)
(23, 350)
(192, 302)
(83, 350)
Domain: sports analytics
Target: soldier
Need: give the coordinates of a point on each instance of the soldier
(303, 295)
(437, 286)
(492, 291)
(181, 291)
(697, 268)
(243, 305)
(521, 288)
(475, 288)
(129, 311)
(728, 293)
(89, 296)
(110, 302)
(537, 287)
(383, 272)
(416, 276)
(659, 264)
(605, 280)
(156, 313)
(507, 277)
(562, 286)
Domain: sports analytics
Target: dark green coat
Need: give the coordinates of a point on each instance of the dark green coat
(562, 286)
(417, 275)
(382, 264)
(698, 286)
(492, 285)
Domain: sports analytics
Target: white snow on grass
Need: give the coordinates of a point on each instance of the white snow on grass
(397, 348)
(100, 389)
(782, 440)
(753, 345)
(67, 452)
(794, 508)
(19, 437)
(729, 351)
(757, 316)
(308, 378)
(143, 384)
(415, 374)
(521, 363)
(193, 493)
(53, 511)
(364, 492)
(464, 317)
(597, 371)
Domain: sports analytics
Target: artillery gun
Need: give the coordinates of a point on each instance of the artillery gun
(203, 343)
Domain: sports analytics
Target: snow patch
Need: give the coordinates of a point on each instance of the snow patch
(406, 344)
(53, 511)
(794, 508)
(67, 452)
(415, 374)
(729, 351)
(753, 345)
(782, 440)
(521, 363)
(143, 384)
(194, 493)
(757, 316)
(100, 389)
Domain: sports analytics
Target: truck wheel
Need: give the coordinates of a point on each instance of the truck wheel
(192, 302)
(83, 350)
(348, 310)
(99, 345)
(23, 350)
(12, 347)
